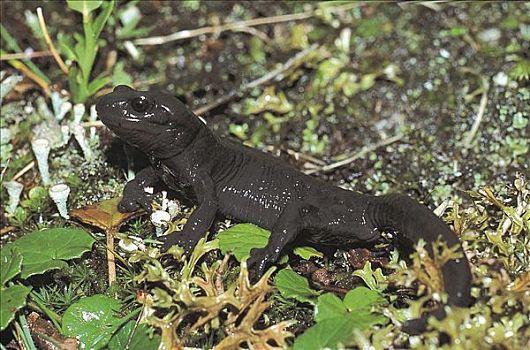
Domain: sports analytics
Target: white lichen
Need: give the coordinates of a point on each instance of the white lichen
(93, 117)
(160, 220)
(14, 190)
(60, 105)
(8, 84)
(173, 208)
(131, 244)
(79, 112)
(59, 194)
(79, 134)
(41, 147)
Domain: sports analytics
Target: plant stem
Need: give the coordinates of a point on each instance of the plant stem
(48, 40)
(24, 55)
(357, 155)
(30, 74)
(186, 34)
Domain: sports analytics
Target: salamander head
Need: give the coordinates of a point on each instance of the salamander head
(155, 122)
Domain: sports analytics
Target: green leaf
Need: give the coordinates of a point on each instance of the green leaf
(373, 26)
(307, 252)
(362, 298)
(329, 306)
(73, 85)
(375, 280)
(84, 6)
(66, 45)
(327, 70)
(293, 286)
(86, 62)
(239, 130)
(519, 121)
(13, 298)
(454, 32)
(46, 250)
(327, 334)
(12, 45)
(100, 21)
(336, 319)
(120, 76)
(38, 199)
(131, 337)
(96, 84)
(92, 320)
(11, 262)
(241, 238)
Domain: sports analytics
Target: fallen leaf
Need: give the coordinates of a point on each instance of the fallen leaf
(105, 215)
(47, 336)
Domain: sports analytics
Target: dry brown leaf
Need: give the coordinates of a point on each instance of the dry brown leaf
(104, 215)
(46, 336)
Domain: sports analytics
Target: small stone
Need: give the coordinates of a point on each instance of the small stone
(490, 35)
(500, 79)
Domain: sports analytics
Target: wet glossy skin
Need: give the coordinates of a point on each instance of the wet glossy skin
(251, 186)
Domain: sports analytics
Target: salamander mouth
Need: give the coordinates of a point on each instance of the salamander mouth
(113, 124)
(108, 119)
(108, 113)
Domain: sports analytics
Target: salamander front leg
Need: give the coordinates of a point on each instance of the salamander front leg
(134, 195)
(196, 227)
(284, 231)
(200, 220)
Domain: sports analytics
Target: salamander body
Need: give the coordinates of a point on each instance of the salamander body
(239, 182)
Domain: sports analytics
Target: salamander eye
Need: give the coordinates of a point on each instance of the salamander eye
(140, 104)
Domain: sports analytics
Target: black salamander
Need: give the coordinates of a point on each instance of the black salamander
(250, 186)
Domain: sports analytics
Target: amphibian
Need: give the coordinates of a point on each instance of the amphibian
(239, 182)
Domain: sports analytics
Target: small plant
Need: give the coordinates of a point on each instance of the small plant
(85, 49)
(521, 71)
(10, 44)
(19, 259)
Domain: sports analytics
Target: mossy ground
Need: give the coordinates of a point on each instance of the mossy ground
(425, 72)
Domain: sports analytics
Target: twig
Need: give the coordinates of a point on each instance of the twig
(24, 170)
(93, 124)
(276, 74)
(480, 114)
(186, 34)
(48, 40)
(253, 31)
(24, 55)
(221, 100)
(305, 157)
(27, 72)
(111, 260)
(3, 172)
(357, 155)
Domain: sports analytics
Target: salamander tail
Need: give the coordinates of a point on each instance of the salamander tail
(415, 221)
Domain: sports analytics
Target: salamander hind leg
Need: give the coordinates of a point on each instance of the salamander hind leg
(284, 231)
